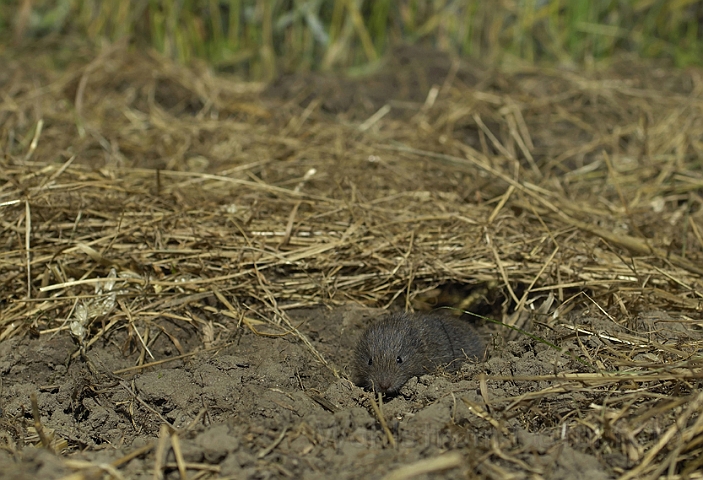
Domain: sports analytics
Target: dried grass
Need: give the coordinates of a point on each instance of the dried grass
(220, 208)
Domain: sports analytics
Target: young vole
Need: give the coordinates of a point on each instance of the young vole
(402, 346)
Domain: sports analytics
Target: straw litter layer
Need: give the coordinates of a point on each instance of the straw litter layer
(136, 195)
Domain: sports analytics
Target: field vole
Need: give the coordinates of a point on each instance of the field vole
(402, 345)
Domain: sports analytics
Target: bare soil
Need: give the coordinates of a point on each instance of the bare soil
(262, 407)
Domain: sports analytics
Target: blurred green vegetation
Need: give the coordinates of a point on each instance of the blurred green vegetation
(260, 37)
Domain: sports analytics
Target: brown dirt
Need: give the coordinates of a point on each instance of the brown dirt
(233, 404)
(225, 349)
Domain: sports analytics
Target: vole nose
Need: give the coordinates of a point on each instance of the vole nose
(384, 384)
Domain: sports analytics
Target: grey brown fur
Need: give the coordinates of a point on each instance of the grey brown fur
(401, 346)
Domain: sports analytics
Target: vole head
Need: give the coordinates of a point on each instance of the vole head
(388, 354)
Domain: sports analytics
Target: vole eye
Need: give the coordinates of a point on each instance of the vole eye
(398, 360)
(370, 362)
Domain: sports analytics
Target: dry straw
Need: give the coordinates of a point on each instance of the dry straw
(222, 208)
